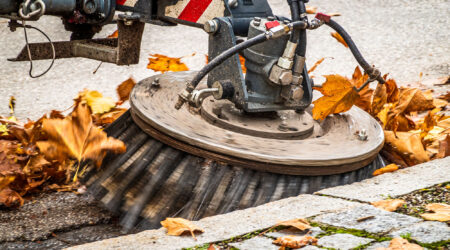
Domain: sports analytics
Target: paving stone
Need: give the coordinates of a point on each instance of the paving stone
(343, 241)
(311, 248)
(382, 221)
(401, 182)
(425, 232)
(226, 226)
(377, 245)
(255, 243)
(313, 232)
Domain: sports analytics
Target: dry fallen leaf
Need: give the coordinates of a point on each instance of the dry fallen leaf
(441, 212)
(311, 9)
(10, 198)
(339, 96)
(379, 99)
(339, 38)
(162, 63)
(293, 241)
(76, 137)
(412, 99)
(115, 34)
(388, 205)
(444, 147)
(316, 64)
(387, 169)
(178, 226)
(300, 224)
(401, 244)
(408, 145)
(124, 89)
(97, 102)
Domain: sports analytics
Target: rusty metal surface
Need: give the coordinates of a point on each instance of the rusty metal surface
(333, 142)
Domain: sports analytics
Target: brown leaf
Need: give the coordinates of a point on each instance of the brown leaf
(300, 224)
(388, 205)
(392, 91)
(365, 95)
(293, 241)
(411, 100)
(109, 117)
(339, 96)
(315, 65)
(408, 145)
(10, 198)
(401, 244)
(441, 212)
(178, 226)
(387, 169)
(124, 89)
(339, 38)
(379, 99)
(162, 63)
(76, 137)
(445, 96)
(444, 147)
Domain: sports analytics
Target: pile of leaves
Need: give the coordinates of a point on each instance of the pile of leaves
(415, 122)
(46, 154)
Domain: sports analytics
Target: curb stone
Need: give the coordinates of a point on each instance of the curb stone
(425, 232)
(343, 241)
(320, 208)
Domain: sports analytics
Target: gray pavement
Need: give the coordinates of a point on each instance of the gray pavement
(402, 37)
(343, 224)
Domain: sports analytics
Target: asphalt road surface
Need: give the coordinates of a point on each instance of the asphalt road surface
(401, 37)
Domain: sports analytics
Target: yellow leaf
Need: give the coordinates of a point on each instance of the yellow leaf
(339, 96)
(401, 244)
(339, 38)
(178, 226)
(76, 137)
(293, 241)
(441, 212)
(97, 102)
(408, 145)
(387, 169)
(3, 130)
(162, 63)
(388, 205)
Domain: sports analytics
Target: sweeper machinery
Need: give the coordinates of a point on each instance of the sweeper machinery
(201, 143)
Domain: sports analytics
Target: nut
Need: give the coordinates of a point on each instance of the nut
(286, 77)
(297, 79)
(296, 93)
(285, 63)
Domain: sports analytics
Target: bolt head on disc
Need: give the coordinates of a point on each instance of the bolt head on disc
(333, 146)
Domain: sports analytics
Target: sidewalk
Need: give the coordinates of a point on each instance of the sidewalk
(335, 214)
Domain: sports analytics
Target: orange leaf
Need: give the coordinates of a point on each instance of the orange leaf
(293, 241)
(445, 96)
(162, 63)
(124, 89)
(401, 244)
(386, 169)
(379, 98)
(178, 226)
(115, 34)
(339, 38)
(311, 9)
(315, 65)
(77, 137)
(411, 100)
(444, 147)
(392, 91)
(388, 205)
(339, 96)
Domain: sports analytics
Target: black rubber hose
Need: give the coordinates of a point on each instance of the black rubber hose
(352, 46)
(225, 55)
(301, 49)
(295, 34)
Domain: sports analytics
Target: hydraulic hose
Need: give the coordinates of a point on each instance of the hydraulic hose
(301, 49)
(372, 72)
(225, 55)
(295, 34)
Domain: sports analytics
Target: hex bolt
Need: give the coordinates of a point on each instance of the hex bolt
(211, 26)
(257, 21)
(271, 18)
(285, 78)
(155, 82)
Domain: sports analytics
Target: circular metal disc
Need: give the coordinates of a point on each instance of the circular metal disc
(333, 143)
(286, 124)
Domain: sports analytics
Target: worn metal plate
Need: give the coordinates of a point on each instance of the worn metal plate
(333, 143)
